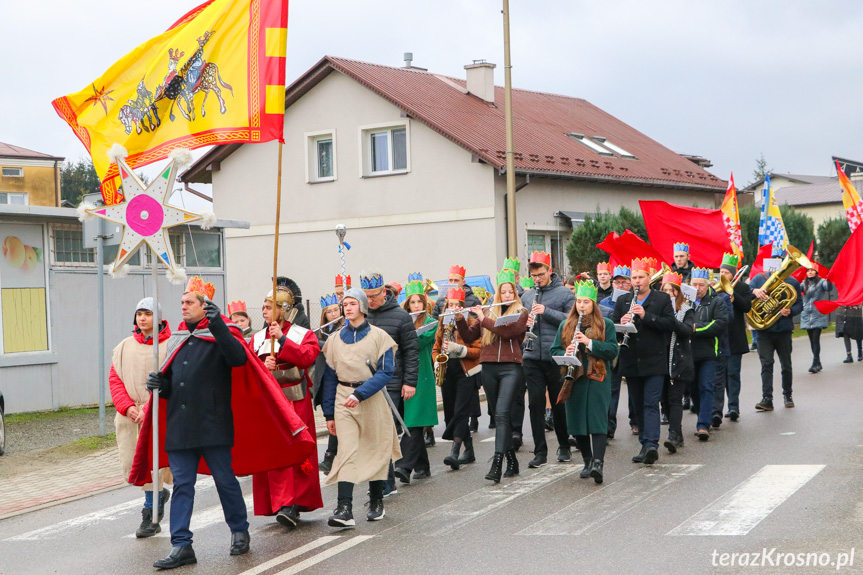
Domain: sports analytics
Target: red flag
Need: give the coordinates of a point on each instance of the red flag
(800, 274)
(704, 230)
(845, 274)
(625, 248)
(765, 251)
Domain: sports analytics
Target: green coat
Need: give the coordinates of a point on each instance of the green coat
(421, 409)
(587, 407)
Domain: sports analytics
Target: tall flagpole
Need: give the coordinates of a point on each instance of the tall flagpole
(276, 249)
(156, 366)
(511, 229)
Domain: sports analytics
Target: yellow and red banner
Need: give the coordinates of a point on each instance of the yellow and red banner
(731, 218)
(217, 76)
(850, 200)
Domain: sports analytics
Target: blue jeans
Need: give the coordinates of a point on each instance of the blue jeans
(646, 393)
(705, 375)
(184, 466)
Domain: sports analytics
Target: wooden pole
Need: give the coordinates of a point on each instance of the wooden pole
(276, 248)
(511, 222)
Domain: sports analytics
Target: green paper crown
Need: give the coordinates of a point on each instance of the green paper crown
(414, 288)
(506, 275)
(730, 260)
(585, 289)
(526, 282)
(512, 264)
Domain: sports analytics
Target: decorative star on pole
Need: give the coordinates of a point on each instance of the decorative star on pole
(146, 215)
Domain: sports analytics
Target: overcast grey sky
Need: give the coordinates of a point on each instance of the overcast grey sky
(727, 79)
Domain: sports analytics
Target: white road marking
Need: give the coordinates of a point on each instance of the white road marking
(319, 542)
(326, 554)
(108, 514)
(202, 520)
(487, 439)
(789, 433)
(474, 505)
(442, 440)
(742, 508)
(610, 501)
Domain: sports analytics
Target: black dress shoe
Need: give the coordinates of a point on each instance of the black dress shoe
(650, 456)
(403, 474)
(717, 419)
(422, 474)
(289, 516)
(640, 457)
(849, 359)
(240, 543)
(178, 557)
(733, 415)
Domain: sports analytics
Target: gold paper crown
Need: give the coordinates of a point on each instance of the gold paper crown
(197, 285)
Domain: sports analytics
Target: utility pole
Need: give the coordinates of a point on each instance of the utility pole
(511, 222)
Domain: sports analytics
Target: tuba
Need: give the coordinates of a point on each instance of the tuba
(656, 278)
(780, 295)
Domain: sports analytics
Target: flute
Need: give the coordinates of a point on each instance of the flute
(481, 307)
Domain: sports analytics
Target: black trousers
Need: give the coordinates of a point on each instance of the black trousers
(815, 343)
(458, 392)
(501, 381)
(542, 376)
(672, 399)
(780, 343)
(848, 345)
(414, 452)
(616, 383)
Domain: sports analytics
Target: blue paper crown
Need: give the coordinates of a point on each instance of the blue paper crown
(681, 248)
(701, 273)
(373, 281)
(328, 300)
(622, 271)
(415, 277)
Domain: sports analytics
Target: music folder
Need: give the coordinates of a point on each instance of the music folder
(566, 360)
(427, 327)
(505, 319)
(625, 328)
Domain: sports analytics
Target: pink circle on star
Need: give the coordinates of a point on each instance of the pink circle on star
(144, 215)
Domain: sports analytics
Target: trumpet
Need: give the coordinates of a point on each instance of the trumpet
(625, 341)
(726, 285)
(429, 286)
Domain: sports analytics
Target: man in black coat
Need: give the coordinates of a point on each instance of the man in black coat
(644, 361)
(456, 278)
(386, 313)
(741, 302)
(200, 423)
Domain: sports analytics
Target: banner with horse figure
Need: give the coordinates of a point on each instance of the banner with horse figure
(216, 76)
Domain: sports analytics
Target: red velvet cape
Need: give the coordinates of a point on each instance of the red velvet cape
(268, 434)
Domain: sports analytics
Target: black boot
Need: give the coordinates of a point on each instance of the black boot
(673, 443)
(511, 464)
(496, 464)
(429, 433)
(596, 470)
(147, 527)
(178, 557)
(326, 463)
(468, 455)
(452, 458)
(818, 364)
(812, 367)
(289, 516)
(585, 473)
(849, 359)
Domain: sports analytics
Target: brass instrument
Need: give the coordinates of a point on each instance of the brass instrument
(441, 359)
(780, 295)
(625, 341)
(482, 294)
(429, 286)
(726, 285)
(656, 278)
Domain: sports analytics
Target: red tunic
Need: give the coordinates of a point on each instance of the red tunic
(299, 484)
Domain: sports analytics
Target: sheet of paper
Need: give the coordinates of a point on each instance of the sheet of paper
(427, 327)
(505, 319)
(689, 292)
(565, 360)
(625, 328)
(617, 293)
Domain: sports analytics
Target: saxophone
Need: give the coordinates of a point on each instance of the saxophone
(441, 359)
(780, 295)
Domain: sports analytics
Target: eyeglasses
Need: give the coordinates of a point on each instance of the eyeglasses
(539, 275)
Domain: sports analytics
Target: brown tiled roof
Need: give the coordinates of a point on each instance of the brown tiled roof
(10, 151)
(541, 123)
(808, 194)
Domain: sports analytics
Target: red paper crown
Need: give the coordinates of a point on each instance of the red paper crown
(455, 293)
(540, 258)
(603, 267)
(672, 278)
(457, 270)
(197, 285)
(396, 287)
(653, 263)
(236, 306)
(641, 265)
(340, 282)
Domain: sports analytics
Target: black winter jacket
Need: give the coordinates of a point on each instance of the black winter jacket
(711, 321)
(681, 367)
(398, 324)
(470, 300)
(558, 301)
(647, 353)
(737, 342)
(198, 390)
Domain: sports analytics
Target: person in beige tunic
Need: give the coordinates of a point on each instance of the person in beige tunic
(359, 363)
(132, 361)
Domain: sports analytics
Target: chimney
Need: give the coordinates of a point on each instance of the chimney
(409, 57)
(480, 80)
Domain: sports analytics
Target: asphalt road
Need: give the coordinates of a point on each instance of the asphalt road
(785, 482)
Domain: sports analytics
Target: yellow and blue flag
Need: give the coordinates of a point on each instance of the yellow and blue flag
(771, 229)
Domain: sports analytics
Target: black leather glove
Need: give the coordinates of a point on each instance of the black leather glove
(155, 381)
(213, 311)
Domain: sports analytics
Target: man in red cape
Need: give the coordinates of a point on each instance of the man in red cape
(222, 413)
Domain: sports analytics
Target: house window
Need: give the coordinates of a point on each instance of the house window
(590, 143)
(613, 147)
(13, 198)
(69, 251)
(550, 243)
(386, 150)
(13, 172)
(321, 156)
(200, 249)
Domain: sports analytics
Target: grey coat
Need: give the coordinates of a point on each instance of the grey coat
(810, 317)
(558, 301)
